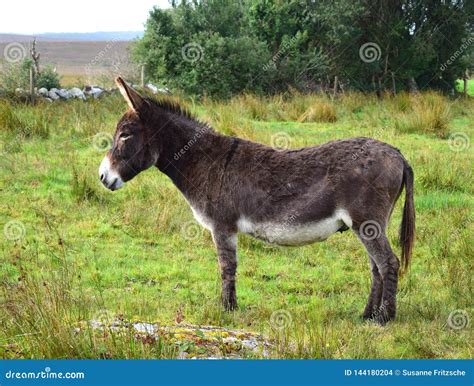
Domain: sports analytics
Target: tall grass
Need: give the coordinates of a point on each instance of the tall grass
(428, 113)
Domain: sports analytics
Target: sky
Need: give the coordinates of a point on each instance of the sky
(39, 16)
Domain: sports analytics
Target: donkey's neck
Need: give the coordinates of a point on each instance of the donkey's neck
(187, 148)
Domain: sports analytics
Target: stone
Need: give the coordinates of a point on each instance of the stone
(52, 94)
(165, 90)
(152, 87)
(76, 92)
(93, 91)
(192, 341)
(64, 94)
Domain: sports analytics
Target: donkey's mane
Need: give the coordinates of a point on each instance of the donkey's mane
(173, 106)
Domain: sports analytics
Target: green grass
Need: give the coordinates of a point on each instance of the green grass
(86, 251)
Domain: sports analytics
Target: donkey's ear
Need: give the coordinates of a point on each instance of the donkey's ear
(134, 100)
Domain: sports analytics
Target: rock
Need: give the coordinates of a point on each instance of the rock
(152, 87)
(165, 90)
(48, 100)
(77, 93)
(192, 341)
(93, 91)
(19, 91)
(63, 93)
(52, 94)
(43, 91)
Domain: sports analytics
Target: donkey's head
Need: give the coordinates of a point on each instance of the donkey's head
(131, 150)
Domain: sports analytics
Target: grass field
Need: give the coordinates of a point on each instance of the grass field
(80, 62)
(70, 250)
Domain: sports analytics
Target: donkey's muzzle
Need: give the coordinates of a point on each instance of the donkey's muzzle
(108, 176)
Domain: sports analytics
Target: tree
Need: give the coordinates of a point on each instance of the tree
(223, 47)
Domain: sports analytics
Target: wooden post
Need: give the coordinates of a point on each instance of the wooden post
(35, 56)
(142, 76)
(335, 87)
(32, 84)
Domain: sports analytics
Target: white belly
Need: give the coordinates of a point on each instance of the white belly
(293, 234)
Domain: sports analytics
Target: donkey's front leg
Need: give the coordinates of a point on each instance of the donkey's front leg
(226, 244)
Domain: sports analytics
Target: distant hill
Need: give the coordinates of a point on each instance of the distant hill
(92, 36)
(72, 36)
(8, 38)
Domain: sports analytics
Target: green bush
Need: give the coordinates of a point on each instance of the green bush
(48, 78)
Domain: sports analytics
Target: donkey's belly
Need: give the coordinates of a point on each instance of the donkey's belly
(294, 234)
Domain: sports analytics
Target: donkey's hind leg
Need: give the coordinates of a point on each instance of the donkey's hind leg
(387, 264)
(375, 297)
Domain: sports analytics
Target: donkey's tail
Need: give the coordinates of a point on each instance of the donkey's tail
(407, 227)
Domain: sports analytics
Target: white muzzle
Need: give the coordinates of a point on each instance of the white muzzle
(109, 177)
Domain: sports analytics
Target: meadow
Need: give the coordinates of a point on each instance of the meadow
(71, 251)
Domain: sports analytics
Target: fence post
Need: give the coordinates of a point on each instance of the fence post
(32, 85)
(142, 76)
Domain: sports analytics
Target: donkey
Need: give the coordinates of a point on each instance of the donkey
(284, 197)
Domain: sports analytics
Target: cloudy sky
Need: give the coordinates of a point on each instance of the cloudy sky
(38, 16)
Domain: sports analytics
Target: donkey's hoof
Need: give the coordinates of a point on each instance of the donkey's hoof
(230, 304)
(230, 307)
(367, 316)
(382, 320)
(370, 313)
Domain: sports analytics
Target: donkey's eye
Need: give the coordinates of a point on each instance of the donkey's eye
(125, 136)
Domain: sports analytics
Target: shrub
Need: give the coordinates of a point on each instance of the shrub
(48, 78)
